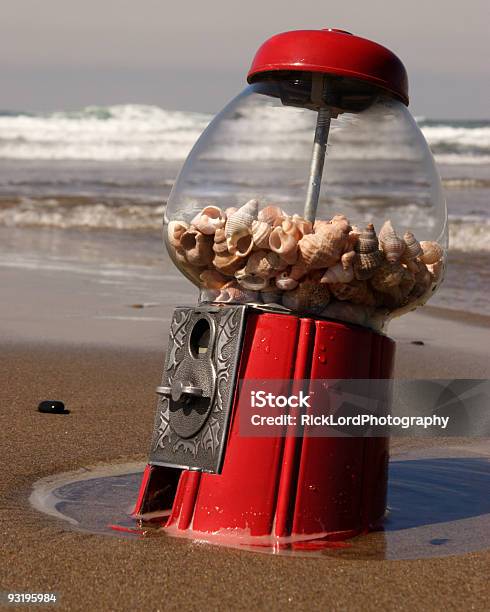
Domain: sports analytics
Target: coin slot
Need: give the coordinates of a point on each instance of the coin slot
(200, 338)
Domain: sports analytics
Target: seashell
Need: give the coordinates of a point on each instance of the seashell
(211, 279)
(356, 291)
(407, 282)
(232, 292)
(265, 264)
(308, 296)
(412, 247)
(319, 225)
(367, 241)
(387, 276)
(284, 282)
(270, 214)
(175, 231)
(342, 223)
(392, 246)
(338, 274)
(272, 295)
(209, 220)
(220, 246)
(366, 264)
(296, 226)
(431, 252)
(260, 234)
(238, 228)
(284, 245)
(303, 225)
(197, 247)
(298, 271)
(436, 270)
(230, 210)
(323, 249)
(227, 263)
(250, 281)
(347, 259)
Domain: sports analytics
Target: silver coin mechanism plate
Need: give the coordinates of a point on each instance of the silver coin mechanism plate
(195, 397)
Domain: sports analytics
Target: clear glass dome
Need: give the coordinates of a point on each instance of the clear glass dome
(244, 224)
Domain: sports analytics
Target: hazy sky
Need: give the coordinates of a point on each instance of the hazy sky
(60, 54)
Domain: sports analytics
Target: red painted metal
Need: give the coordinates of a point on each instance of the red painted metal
(295, 485)
(243, 496)
(334, 52)
(143, 491)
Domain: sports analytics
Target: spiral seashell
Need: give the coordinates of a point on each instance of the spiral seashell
(233, 293)
(238, 228)
(338, 274)
(284, 282)
(198, 248)
(296, 226)
(261, 231)
(285, 245)
(309, 296)
(323, 249)
(304, 226)
(227, 264)
(270, 214)
(412, 247)
(367, 241)
(211, 279)
(356, 292)
(265, 264)
(392, 246)
(250, 281)
(365, 264)
(387, 276)
(431, 252)
(175, 231)
(209, 220)
(271, 295)
(219, 246)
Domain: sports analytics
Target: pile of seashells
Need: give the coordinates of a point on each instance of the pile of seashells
(327, 268)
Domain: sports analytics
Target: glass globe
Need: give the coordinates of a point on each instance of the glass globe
(242, 223)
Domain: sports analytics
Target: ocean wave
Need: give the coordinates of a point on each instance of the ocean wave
(134, 132)
(468, 233)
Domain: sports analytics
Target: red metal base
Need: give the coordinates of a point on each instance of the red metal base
(288, 486)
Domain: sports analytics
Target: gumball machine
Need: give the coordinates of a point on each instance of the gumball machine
(309, 214)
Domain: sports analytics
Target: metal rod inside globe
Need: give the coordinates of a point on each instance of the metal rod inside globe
(317, 162)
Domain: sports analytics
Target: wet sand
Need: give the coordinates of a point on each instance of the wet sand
(109, 391)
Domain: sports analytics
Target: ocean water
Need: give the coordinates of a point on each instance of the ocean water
(109, 171)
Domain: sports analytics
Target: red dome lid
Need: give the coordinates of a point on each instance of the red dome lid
(332, 52)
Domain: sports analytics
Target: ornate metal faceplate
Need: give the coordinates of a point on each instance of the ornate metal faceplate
(197, 390)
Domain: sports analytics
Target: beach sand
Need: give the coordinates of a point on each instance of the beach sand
(109, 390)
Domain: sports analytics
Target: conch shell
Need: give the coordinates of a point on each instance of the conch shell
(238, 228)
(356, 292)
(261, 231)
(270, 214)
(265, 264)
(197, 247)
(211, 279)
(209, 220)
(431, 252)
(323, 249)
(175, 231)
(392, 246)
(285, 245)
(308, 296)
(338, 274)
(369, 257)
